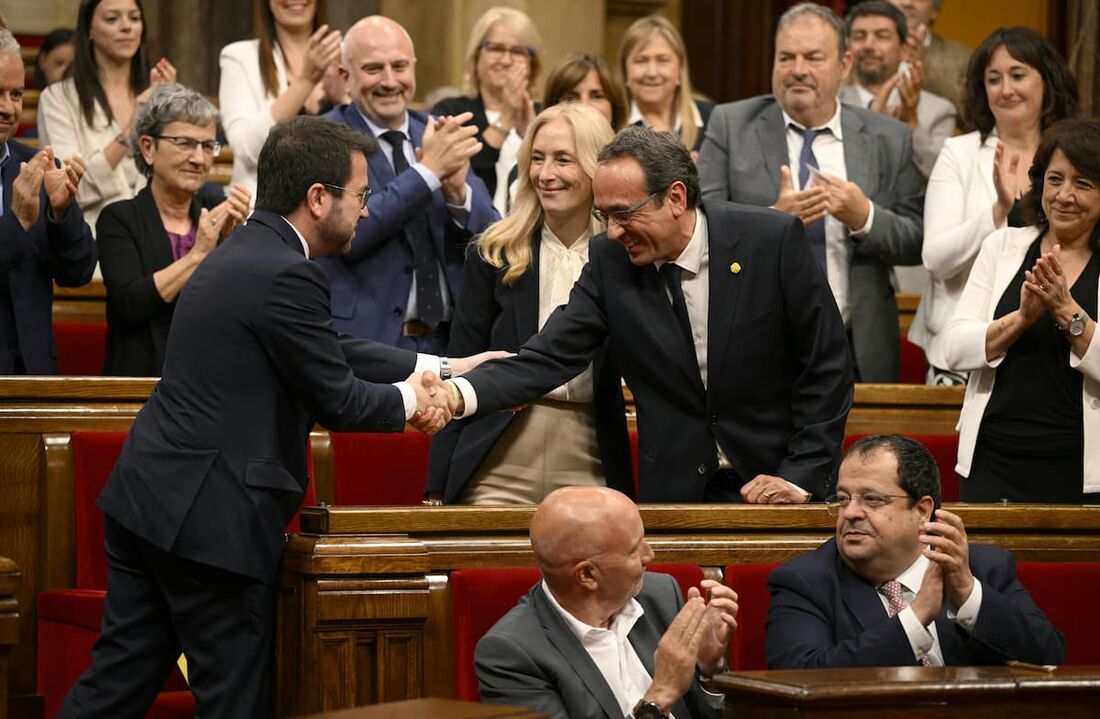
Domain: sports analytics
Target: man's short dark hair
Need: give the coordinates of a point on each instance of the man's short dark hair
(822, 13)
(877, 8)
(662, 157)
(302, 151)
(918, 474)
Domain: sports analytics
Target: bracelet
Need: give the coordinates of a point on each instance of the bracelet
(499, 127)
(456, 395)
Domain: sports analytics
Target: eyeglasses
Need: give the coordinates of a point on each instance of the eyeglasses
(623, 217)
(496, 50)
(870, 501)
(361, 195)
(188, 144)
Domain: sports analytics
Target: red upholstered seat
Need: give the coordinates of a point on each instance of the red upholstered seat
(69, 619)
(81, 347)
(750, 581)
(944, 449)
(379, 468)
(1067, 592)
(914, 363)
(480, 597)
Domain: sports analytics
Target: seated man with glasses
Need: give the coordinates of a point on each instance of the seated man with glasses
(722, 326)
(900, 585)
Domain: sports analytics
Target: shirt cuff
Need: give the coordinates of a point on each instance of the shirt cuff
(862, 232)
(430, 179)
(426, 363)
(408, 398)
(469, 396)
(920, 638)
(461, 213)
(798, 489)
(966, 616)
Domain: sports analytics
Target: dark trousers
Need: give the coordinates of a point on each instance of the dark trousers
(158, 605)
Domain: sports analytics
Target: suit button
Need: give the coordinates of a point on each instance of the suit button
(701, 469)
(398, 312)
(714, 420)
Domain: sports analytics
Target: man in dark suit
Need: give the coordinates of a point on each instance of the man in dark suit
(721, 323)
(398, 283)
(600, 637)
(215, 463)
(44, 236)
(900, 585)
(846, 172)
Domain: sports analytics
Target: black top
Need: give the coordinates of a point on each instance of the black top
(1037, 396)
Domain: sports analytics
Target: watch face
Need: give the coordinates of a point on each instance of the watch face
(1076, 326)
(648, 710)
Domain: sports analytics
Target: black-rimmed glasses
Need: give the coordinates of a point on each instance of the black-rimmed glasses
(189, 144)
(363, 196)
(623, 217)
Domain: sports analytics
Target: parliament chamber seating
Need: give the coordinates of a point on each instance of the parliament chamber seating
(944, 449)
(1067, 592)
(81, 347)
(379, 469)
(750, 581)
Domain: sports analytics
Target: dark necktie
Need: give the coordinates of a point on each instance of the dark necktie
(429, 298)
(815, 232)
(671, 274)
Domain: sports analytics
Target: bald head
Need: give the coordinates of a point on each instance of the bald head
(379, 67)
(577, 523)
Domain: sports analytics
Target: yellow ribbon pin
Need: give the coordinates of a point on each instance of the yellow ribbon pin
(735, 268)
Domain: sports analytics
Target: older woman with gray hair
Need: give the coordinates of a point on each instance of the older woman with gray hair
(150, 245)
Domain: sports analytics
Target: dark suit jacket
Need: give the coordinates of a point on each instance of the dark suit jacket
(133, 244)
(531, 658)
(370, 284)
(780, 383)
(492, 315)
(215, 463)
(824, 615)
(54, 249)
(745, 145)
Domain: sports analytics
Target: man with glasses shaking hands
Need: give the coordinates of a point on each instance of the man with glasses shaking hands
(723, 327)
(900, 585)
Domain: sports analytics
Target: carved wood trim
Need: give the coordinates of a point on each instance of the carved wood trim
(58, 512)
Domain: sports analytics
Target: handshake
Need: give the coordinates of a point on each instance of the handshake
(437, 400)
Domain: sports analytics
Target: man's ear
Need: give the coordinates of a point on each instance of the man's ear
(676, 196)
(845, 65)
(587, 575)
(925, 506)
(315, 200)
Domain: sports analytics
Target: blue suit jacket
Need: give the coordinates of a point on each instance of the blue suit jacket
(53, 249)
(824, 615)
(370, 284)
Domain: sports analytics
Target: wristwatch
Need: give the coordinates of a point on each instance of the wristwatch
(1076, 326)
(649, 710)
(445, 371)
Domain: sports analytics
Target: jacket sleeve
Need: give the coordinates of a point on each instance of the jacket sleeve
(508, 673)
(714, 158)
(245, 107)
(964, 336)
(131, 292)
(897, 230)
(951, 238)
(388, 211)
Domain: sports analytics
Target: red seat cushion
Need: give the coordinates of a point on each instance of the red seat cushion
(1066, 592)
(480, 597)
(750, 581)
(81, 348)
(94, 457)
(914, 363)
(379, 468)
(944, 449)
(633, 434)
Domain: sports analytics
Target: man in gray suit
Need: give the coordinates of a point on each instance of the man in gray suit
(876, 36)
(598, 636)
(846, 172)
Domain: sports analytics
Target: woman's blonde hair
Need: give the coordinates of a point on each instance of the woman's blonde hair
(683, 102)
(508, 242)
(515, 20)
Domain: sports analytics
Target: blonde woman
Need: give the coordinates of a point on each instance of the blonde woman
(516, 274)
(502, 64)
(654, 67)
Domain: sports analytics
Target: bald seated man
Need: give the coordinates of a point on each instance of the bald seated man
(599, 636)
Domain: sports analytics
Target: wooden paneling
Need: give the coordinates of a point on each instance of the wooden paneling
(10, 620)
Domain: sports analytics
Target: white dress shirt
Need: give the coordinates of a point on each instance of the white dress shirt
(559, 268)
(829, 151)
(925, 639)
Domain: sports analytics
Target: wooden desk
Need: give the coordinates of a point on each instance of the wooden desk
(430, 709)
(964, 692)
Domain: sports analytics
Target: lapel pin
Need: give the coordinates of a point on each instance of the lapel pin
(735, 268)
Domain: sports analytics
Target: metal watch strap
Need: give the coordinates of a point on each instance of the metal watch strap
(445, 371)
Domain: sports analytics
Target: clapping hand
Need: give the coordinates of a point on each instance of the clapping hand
(809, 204)
(948, 549)
(721, 622)
(1005, 182)
(62, 182)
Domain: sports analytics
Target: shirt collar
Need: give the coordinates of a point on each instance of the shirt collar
(691, 259)
(579, 246)
(621, 624)
(636, 116)
(5, 155)
(378, 130)
(912, 577)
(833, 125)
(305, 245)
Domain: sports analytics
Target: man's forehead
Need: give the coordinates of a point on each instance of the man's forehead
(873, 23)
(806, 33)
(13, 75)
(618, 179)
(877, 469)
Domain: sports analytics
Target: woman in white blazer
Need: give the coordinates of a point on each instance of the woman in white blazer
(1017, 85)
(274, 77)
(1024, 329)
(90, 112)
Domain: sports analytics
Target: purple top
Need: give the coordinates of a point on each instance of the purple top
(182, 244)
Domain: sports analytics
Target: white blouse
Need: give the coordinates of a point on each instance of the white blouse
(559, 269)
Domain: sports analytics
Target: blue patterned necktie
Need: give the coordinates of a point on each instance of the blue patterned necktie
(815, 232)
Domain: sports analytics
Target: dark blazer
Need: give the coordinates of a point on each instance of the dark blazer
(824, 615)
(780, 382)
(370, 284)
(746, 142)
(54, 249)
(531, 658)
(484, 163)
(133, 244)
(215, 464)
(492, 315)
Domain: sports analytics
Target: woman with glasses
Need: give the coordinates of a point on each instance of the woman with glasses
(502, 67)
(91, 112)
(150, 245)
(517, 272)
(291, 67)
